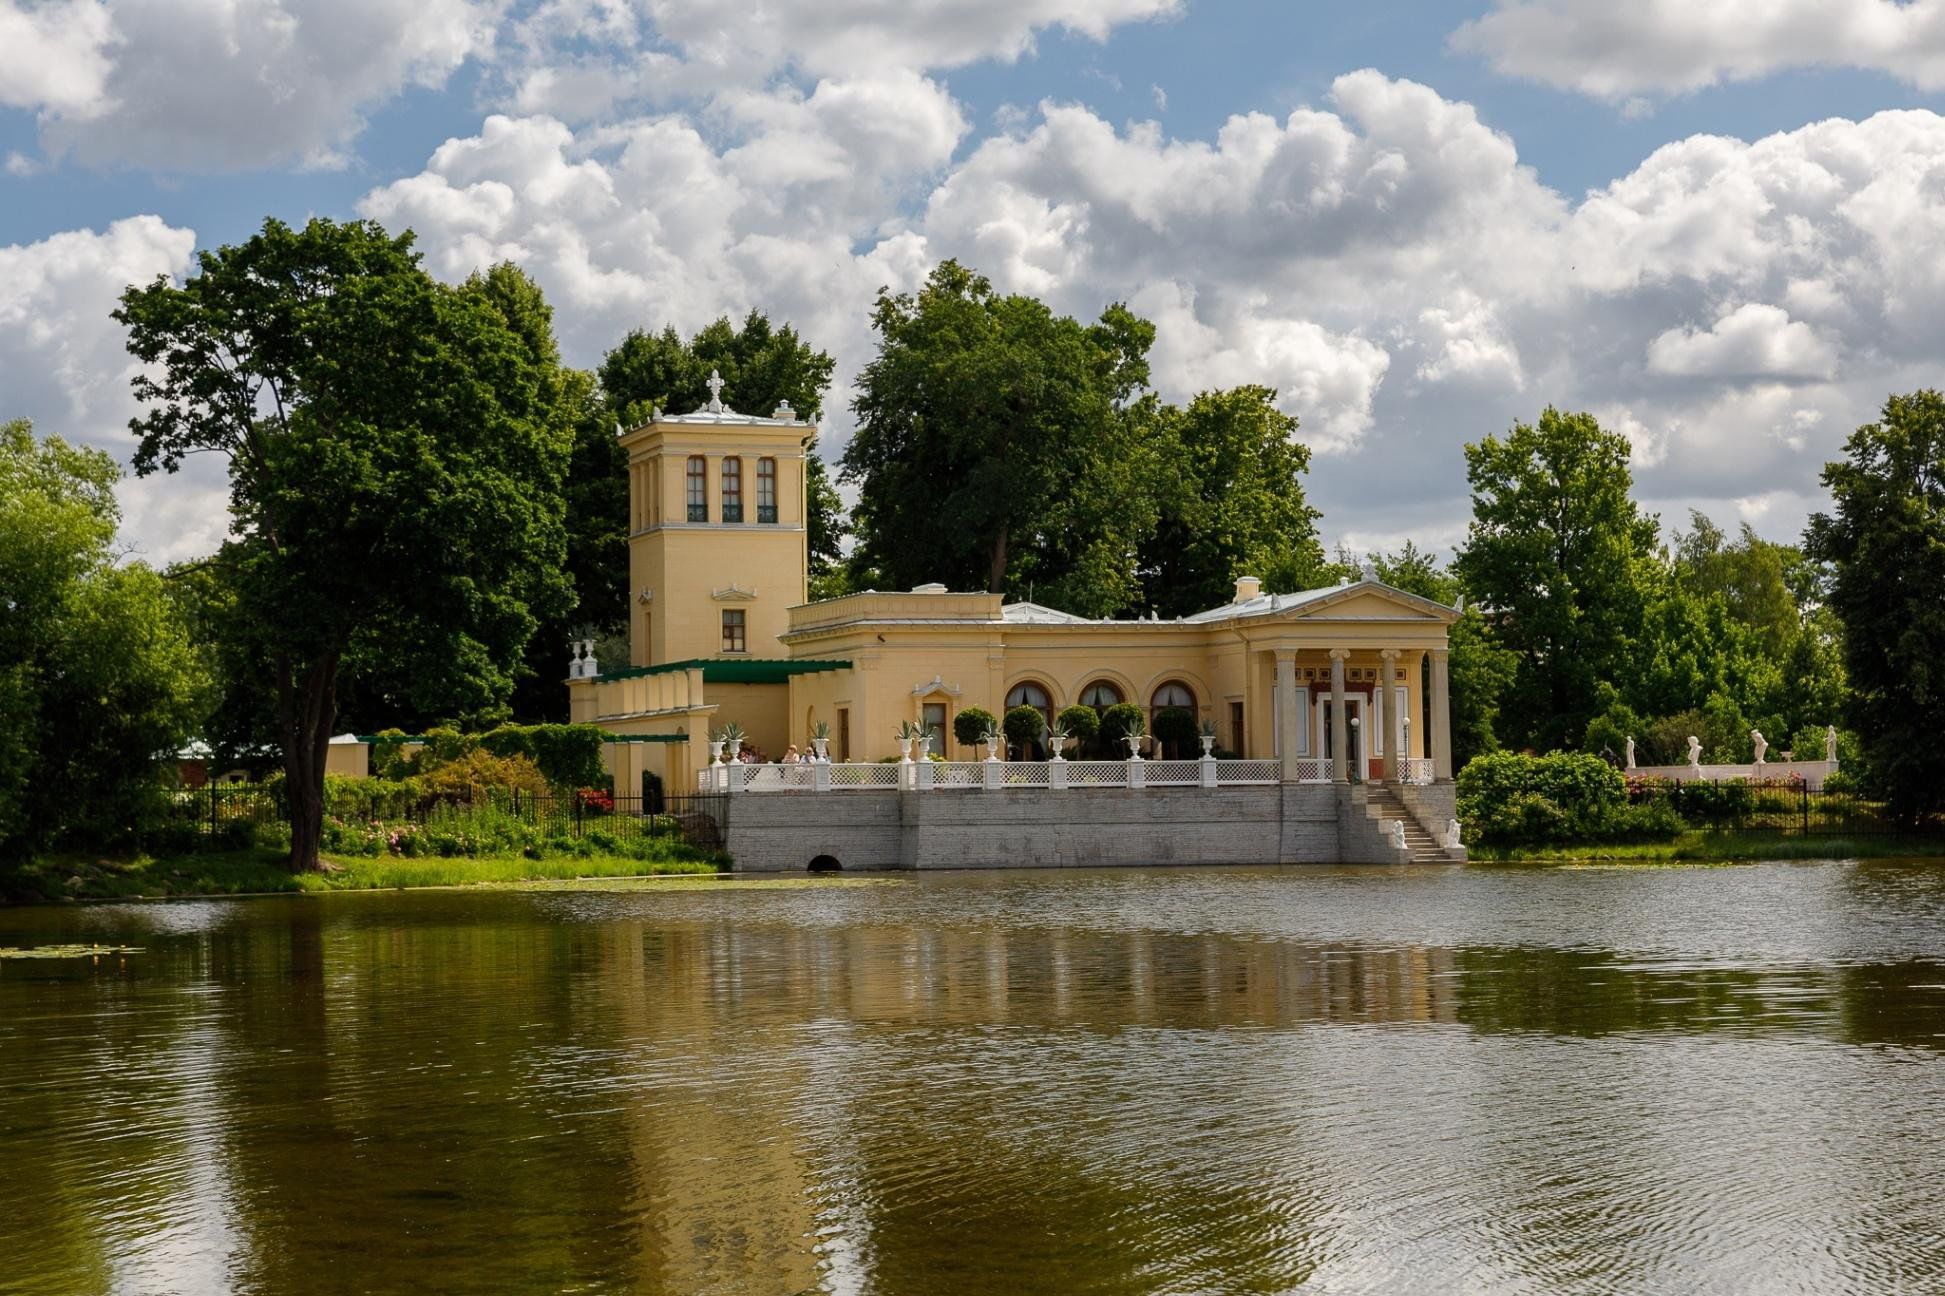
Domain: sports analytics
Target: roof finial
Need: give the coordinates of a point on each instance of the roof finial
(715, 392)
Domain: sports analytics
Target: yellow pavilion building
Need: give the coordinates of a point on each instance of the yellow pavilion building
(1346, 683)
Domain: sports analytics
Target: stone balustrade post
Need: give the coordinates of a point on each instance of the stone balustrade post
(1057, 775)
(820, 777)
(1208, 771)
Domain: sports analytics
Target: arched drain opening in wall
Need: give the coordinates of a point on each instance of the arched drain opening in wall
(826, 864)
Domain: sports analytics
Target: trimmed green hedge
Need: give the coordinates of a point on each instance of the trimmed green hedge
(1506, 799)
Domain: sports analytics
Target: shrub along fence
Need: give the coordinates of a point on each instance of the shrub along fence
(238, 815)
(1782, 808)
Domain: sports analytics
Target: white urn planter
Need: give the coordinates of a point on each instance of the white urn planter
(1058, 744)
(992, 747)
(1208, 744)
(1134, 746)
(822, 746)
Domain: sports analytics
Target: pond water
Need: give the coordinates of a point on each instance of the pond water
(1331, 1080)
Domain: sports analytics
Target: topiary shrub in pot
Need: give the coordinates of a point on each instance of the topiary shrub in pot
(1082, 724)
(1023, 726)
(1176, 732)
(1120, 722)
(973, 724)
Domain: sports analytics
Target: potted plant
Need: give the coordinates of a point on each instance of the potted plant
(992, 738)
(1124, 722)
(715, 746)
(1057, 736)
(971, 724)
(733, 736)
(908, 734)
(820, 741)
(1207, 736)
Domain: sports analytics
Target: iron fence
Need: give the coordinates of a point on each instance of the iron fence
(1786, 810)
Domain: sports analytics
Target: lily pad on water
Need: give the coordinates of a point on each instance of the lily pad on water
(65, 951)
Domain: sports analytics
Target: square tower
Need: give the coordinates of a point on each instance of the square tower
(718, 546)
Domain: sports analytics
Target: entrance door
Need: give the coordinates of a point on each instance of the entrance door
(1354, 730)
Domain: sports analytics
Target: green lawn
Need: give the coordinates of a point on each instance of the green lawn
(89, 877)
(1715, 846)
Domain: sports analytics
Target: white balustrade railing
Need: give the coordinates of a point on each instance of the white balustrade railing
(978, 775)
(1417, 769)
(1175, 773)
(1248, 772)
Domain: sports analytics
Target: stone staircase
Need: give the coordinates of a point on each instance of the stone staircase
(1382, 804)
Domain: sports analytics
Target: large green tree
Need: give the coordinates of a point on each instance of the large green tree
(396, 453)
(1884, 539)
(1556, 552)
(99, 684)
(1230, 503)
(1002, 447)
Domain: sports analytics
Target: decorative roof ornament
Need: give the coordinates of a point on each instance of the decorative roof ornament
(1369, 571)
(715, 392)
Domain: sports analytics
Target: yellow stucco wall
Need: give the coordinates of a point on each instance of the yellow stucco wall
(910, 648)
(693, 571)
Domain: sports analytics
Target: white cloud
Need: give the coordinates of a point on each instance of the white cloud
(213, 85)
(1752, 341)
(1617, 51)
(55, 56)
(582, 60)
(67, 366)
(1385, 261)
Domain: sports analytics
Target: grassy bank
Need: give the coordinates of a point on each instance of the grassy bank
(1720, 847)
(216, 873)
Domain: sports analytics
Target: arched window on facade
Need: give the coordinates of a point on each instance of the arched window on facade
(1100, 695)
(1028, 693)
(732, 489)
(1172, 696)
(698, 489)
(766, 490)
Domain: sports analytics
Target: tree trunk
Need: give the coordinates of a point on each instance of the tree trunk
(996, 576)
(308, 706)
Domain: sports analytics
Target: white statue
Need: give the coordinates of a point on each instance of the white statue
(1760, 743)
(1694, 752)
(1830, 743)
(1452, 833)
(1630, 751)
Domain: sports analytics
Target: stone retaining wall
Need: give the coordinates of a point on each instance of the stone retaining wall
(782, 832)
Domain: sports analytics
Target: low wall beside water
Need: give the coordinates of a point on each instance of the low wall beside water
(783, 832)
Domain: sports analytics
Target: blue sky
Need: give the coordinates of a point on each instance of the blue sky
(1418, 221)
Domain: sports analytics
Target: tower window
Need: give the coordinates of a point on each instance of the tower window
(732, 489)
(766, 490)
(734, 639)
(698, 489)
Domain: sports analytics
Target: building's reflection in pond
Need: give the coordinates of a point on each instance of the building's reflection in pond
(949, 1087)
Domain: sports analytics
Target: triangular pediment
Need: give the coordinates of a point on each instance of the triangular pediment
(1371, 601)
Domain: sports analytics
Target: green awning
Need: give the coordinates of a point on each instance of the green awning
(733, 670)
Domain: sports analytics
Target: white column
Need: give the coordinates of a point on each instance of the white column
(1287, 719)
(1340, 729)
(1385, 700)
(1441, 720)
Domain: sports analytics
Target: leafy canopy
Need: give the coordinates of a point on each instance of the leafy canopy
(99, 684)
(396, 450)
(998, 445)
(1885, 542)
(1556, 551)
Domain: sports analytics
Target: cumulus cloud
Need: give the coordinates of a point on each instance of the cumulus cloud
(1384, 259)
(584, 59)
(55, 56)
(1617, 52)
(213, 85)
(1752, 341)
(68, 368)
